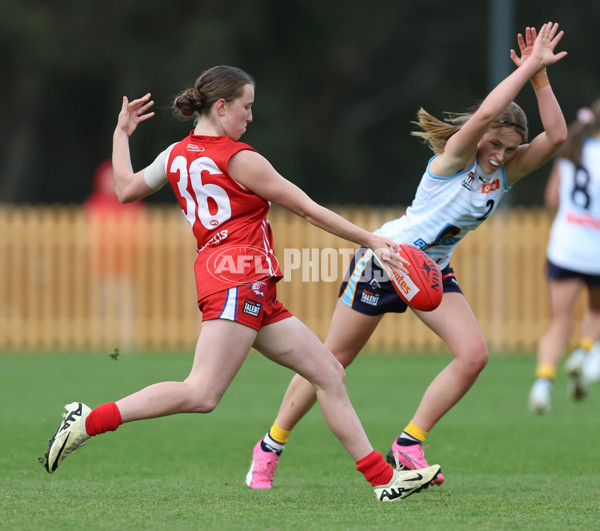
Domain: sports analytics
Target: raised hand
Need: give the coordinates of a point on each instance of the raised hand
(539, 46)
(546, 41)
(132, 113)
(525, 46)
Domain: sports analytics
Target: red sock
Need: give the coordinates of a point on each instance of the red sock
(375, 469)
(106, 417)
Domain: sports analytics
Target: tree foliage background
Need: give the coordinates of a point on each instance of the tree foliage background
(338, 84)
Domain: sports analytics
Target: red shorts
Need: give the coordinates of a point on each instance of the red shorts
(253, 304)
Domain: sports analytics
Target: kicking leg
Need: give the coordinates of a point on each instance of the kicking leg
(348, 332)
(293, 345)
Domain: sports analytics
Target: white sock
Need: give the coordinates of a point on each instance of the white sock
(272, 445)
(406, 436)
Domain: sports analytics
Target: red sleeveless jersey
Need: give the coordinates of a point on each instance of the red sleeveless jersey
(234, 238)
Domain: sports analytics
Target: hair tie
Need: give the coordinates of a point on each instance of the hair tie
(585, 115)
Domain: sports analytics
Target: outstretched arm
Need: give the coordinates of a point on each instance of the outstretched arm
(531, 156)
(129, 186)
(461, 148)
(256, 173)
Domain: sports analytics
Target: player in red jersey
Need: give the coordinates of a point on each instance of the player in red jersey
(224, 188)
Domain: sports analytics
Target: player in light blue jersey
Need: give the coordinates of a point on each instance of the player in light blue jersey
(478, 156)
(573, 261)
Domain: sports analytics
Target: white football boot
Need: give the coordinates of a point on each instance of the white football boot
(539, 396)
(406, 482)
(578, 385)
(70, 436)
(591, 365)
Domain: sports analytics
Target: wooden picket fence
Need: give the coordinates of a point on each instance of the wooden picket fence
(68, 282)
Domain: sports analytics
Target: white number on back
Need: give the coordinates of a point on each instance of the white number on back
(203, 192)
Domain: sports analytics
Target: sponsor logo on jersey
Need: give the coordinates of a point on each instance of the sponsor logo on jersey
(584, 219)
(215, 240)
(370, 298)
(490, 187)
(468, 180)
(448, 236)
(251, 307)
(194, 147)
(420, 243)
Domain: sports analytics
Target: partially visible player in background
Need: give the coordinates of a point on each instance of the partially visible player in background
(117, 241)
(573, 258)
(478, 156)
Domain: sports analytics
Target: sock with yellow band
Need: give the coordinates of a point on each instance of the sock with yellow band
(548, 372)
(411, 435)
(585, 343)
(275, 439)
(279, 434)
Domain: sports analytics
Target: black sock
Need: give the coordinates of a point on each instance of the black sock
(406, 440)
(269, 445)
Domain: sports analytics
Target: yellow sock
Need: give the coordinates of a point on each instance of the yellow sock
(414, 431)
(279, 434)
(545, 371)
(586, 344)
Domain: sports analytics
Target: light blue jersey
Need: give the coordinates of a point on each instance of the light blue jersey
(575, 235)
(445, 209)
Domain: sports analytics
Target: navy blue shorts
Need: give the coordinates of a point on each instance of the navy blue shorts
(559, 273)
(367, 288)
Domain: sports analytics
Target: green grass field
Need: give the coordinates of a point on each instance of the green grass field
(504, 468)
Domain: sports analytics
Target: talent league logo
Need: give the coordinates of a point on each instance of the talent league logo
(241, 262)
(251, 307)
(370, 298)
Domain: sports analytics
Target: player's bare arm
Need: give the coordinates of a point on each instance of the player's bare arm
(129, 185)
(256, 173)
